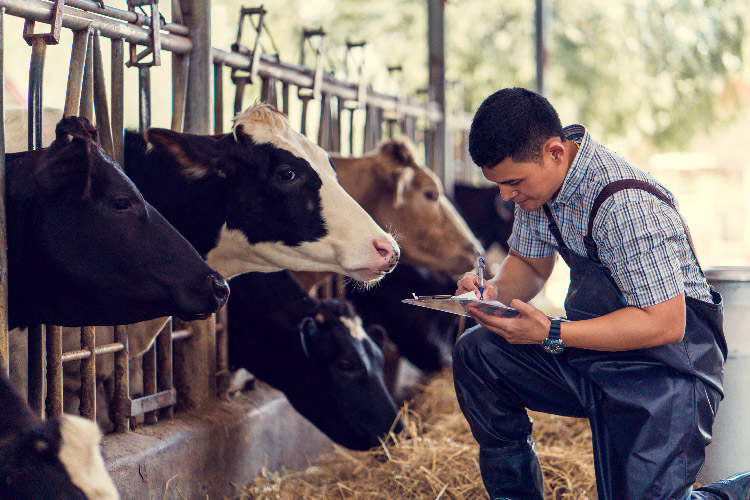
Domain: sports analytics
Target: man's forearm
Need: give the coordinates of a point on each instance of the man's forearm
(520, 278)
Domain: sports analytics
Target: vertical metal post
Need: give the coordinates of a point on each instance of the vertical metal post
(35, 368)
(122, 381)
(165, 380)
(324, 128)
(144, 98)
(54, 371)
(36, 76)
(197, 16)
(179, 90)
(88, 374)
(100, 99)
(436, 46)
(75, 74)
(4, 362)
(87, 92)
(195, 365)
(218, 98)
(539, 39)
(285, 98)
(222, 354)
(118, 93)
(148, 361)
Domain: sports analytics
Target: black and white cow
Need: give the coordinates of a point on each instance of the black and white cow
(423, 336)
(316, 352)
(262, 198)
(84, 247)
(48, 459)
(487, 214)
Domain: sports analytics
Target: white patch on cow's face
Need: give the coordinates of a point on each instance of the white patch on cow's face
(348, 248)
(355, 326)
(80, 455)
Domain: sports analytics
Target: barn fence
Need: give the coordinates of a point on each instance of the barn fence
(186, 366)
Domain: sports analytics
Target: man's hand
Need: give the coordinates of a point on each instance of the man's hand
(470, 281)
(530, 327)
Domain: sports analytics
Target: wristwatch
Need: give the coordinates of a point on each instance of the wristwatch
(552, 344)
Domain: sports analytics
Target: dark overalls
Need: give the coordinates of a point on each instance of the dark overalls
(650, 410)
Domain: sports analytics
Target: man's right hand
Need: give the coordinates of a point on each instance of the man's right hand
(470, 281)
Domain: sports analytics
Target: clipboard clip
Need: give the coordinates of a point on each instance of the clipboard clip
(430, 297)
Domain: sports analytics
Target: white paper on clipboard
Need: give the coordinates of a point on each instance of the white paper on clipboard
(457, 304)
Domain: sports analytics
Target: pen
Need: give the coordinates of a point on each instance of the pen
(480, 273)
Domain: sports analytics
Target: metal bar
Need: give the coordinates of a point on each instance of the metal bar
(88, 374)
(117, 95)
(4, 350)
(100, 100)
(184, 333)
(148, 361)
(36, 77)
(126, 15)
(336, 126)
(35, 368)
(87, 89)
(436, 56)
(324, 126)
(301, 76)
(122, 382)
(54, 372)
(152, 402)
(285, 98)
(164, 366)
(222, 354)
(80, 354)
(239, 93)
(198, 107)
(75, 73)
(195, 365)
(144, 98)
(75, 19)
(179, 90)
(303, 120)
(268, 91)
(218, 98)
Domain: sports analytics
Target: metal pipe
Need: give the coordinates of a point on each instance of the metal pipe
(88, 374)
(122, 382)
(148, 363)
(36, 77)
(4, 350)
(54, 372)
(144, 98)
(118, 93)
(35, 368)
(198, 106)
(164, 366)
(125, 15)
(75, 19)
(100, 99)
(218, 98)
(75, 73)
(222, 354)
(87, 88)
(179, 90)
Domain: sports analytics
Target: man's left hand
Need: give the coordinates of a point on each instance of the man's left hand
(531, 326)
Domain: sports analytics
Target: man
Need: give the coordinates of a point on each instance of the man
(642, 353)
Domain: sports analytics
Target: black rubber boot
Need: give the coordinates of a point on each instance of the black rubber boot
(512, 473)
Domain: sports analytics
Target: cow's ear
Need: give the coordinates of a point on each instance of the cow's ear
(399, 151)
(196, 156)
(68, 168)
(314, 344)
(402, 178)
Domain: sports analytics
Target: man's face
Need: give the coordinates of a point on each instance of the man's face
(528, 184)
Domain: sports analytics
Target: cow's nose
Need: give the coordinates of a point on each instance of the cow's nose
(386, 250)
(221, 288)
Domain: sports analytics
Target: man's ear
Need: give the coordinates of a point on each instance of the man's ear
(555, 148)
(195, 155)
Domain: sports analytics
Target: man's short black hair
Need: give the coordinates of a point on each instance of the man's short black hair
(515, 123)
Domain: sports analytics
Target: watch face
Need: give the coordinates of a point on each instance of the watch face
(553, 346)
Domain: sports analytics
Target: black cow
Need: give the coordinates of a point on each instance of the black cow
(262, 198)
(423, 336)
(48, 459)
(316, 352)
(487, 214)
(84, 247)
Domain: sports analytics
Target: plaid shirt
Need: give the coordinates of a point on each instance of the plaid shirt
(640, 238)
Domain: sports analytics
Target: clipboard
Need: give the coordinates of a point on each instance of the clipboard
(458, 304)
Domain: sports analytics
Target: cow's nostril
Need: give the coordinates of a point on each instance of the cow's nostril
(384, 248)
(221, 288)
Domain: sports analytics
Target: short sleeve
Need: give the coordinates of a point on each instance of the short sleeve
(525, 239)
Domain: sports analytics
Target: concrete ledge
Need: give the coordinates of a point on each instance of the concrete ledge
(211, 453)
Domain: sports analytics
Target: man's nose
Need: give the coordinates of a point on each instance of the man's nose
(508, 192)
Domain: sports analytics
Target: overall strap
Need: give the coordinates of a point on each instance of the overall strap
(612, 188)
(553, 228)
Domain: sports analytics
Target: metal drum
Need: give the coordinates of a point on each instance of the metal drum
(729, 451)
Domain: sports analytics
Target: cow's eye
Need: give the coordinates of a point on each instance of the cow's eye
(121, 204)
(286, 174)
(432, 195)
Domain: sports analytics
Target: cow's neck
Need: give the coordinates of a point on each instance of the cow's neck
(197, 209)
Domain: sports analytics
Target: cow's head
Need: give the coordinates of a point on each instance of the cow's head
(86, 248)
(409, 199)
(284, 207)
(57, 458)
(345, 394)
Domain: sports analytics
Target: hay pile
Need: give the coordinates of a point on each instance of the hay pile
(434, 458)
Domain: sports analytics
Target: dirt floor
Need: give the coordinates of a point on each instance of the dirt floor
(434, 458)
